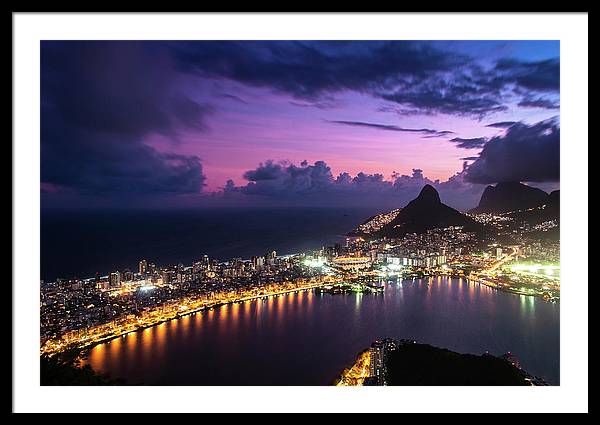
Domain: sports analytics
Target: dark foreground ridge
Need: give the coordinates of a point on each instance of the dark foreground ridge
(423, 364)
(390, 362)
(64, 370)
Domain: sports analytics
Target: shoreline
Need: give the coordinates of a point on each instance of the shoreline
(484, 282)
(88, 346)
(491, 285)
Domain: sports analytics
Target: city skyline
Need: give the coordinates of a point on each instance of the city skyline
(505, 252)
(288, 123)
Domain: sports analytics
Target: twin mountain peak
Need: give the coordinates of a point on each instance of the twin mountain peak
(427, 211)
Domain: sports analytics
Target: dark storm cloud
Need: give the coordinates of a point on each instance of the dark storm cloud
(419, 77)
(537, 76)
(539, 103)
(523, 153)
(269, 171)
(473, 143)
(474, 90)
(233, 97)
(99, 100)
(387, 127)
(312, 69)
(502, 124)
(314, 184)
(447, 99)
(189, 113)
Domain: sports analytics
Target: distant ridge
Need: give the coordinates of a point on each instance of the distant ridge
(509, 196)
(426, 212)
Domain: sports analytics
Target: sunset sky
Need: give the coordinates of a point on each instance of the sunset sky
(207, 123)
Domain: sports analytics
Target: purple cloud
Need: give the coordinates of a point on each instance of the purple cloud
(427, 132)
(314, 184)
(473, 143)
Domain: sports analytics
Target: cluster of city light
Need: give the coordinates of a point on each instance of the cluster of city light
(314, 262)
(356, 375)
(549, 269)
(546, 225)
(351, 260)
(390, 270)
(536, 276)
(487, 218)
(377, 222)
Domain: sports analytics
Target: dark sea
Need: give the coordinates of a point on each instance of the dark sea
(79, 244)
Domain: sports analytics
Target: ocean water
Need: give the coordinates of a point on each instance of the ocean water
(79, 244)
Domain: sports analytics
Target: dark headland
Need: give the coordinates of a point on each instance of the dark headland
(422, 364)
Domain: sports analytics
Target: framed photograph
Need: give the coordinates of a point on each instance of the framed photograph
(254, 210)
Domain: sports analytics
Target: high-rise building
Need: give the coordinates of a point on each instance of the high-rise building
(270, 258)
(379, 353)
(258, 263)
(377, 362)
(338, 249)
(127, 275)
(142, 267)
(115, 279)
(498, 252)
(197, 267)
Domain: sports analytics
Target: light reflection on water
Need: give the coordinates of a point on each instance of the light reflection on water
(307, 339)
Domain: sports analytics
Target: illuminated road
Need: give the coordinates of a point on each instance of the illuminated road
(356, 375)
(502, 261)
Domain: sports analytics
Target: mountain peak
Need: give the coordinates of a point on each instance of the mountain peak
(428, 194)
(426, 212)
(509, 196)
